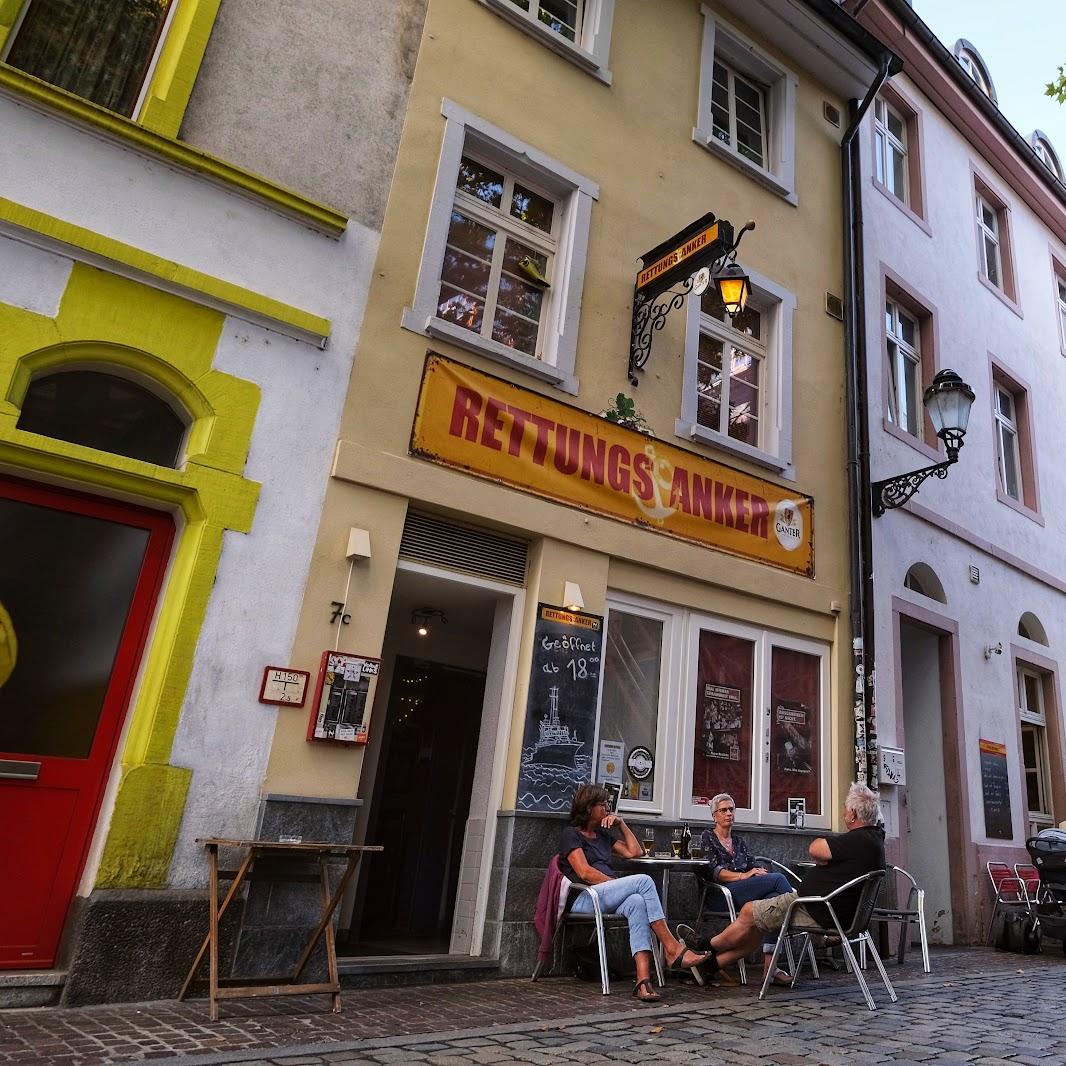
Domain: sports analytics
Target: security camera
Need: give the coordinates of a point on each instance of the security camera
(993, 649)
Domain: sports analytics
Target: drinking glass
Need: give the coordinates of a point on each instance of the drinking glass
(695, 849)
(648, 841)
(675, 842)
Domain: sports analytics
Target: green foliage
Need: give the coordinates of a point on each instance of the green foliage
(1057, 89)
(623, 412)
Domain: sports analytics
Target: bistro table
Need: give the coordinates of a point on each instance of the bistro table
(285, 984)
(662, 865)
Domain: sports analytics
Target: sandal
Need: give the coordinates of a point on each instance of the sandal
(693, 968)
(648, 995)
(780, 978)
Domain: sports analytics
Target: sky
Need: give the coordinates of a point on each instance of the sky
(1023, 44)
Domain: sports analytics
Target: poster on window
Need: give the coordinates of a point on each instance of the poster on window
(721, 743)
(795, 696)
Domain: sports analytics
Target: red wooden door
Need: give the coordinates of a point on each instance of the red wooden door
(79, 579)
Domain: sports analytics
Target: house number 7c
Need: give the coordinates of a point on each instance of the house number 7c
(338, 612)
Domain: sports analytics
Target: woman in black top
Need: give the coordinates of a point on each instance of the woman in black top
(593, 836)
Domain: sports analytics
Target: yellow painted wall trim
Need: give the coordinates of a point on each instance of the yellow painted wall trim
(128, 858)
(177, 66)
(107, 319)
(312, 213)
(96, 249)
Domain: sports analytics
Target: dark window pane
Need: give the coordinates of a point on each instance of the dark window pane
(478, 180)
(795, 729)
(460, 308)
(515, 332)
(98, 49)
(532, 208)
(67, 581)
(560, 16)
(471, 236)
(103, 411)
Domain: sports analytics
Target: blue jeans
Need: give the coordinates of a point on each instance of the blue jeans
(633, 896)
(762, 886)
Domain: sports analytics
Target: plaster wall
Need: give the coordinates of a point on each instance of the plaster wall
(224, 732)
(315, 102)
(959, 522)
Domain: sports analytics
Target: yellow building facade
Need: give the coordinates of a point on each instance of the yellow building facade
(541, 595)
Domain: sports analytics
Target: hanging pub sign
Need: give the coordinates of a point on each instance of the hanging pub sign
(697, 245)
(490, 428)
(564, 686)
(344, 697)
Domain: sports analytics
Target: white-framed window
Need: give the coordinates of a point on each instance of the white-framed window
(890, 139)
(903, 347)
(988, 233)
(1034, 747)
(1047, 156)
(975, 69)
(578, 30)
(1008, 452)
(1060, 299)
(503, 216)
(721, 705)
(747, 107)
(737, 391)
(636, 699)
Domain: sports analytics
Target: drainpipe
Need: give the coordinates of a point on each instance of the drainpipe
(860, 531)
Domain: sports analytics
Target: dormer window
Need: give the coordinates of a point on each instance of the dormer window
(1045, 153)
(970, 60)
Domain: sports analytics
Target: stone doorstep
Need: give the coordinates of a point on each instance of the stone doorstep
(24, 978)
(367, 964)
(20, 989)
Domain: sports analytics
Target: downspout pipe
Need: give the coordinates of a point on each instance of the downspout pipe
(860, 527)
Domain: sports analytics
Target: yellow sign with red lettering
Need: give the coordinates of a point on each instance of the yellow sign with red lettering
(491, 428)
(677, 255)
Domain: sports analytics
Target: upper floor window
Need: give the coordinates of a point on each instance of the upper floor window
(994, 250)
(991, 256)
(504, 256)
(903, 345)
(747, 107)
(1060, 300)
(1007, 448)
(738, 375)
(1015, 457)
(1045, 153)
(970, 60)
(891, 143)
(101, 50)
(578, 30)
(103, 411)
(1034, 748)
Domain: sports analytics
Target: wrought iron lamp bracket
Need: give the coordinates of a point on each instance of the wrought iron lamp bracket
(896, 491)
(649, 316)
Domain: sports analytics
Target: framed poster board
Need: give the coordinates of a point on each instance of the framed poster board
(995, 791)
(344, 696)
(564, 688)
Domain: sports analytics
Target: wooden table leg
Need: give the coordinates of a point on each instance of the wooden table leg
(212, 966)
(331, 940)
(221, 911)
(327, 917)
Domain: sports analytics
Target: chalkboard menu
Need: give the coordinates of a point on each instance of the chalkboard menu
(561, 711)
(995, 790)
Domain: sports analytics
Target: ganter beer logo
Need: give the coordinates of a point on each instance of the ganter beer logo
(493, 429)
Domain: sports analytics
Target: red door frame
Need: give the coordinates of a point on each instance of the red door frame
(89, 776)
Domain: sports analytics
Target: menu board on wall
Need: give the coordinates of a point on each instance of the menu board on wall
(564, 685)
(995, 790)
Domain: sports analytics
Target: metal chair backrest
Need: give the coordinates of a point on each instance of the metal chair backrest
(912, 888)
(1006, 883)
(1029, 876)
(864, 909)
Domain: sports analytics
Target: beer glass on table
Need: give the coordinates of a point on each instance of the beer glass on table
(649, 841)
(675, 842)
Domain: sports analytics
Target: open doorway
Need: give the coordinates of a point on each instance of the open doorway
(431, 766)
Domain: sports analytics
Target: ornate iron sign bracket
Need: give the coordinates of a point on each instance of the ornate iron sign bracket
(896, 491)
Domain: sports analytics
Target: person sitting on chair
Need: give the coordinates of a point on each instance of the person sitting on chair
(839, 858)
(730, 863)
(594, 834)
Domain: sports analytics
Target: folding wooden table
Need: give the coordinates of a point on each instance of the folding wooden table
(284, 984)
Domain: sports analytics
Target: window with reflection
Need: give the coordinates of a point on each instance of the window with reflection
(795, 729)
(560, 16)
(496, 276)
(722, 738)
(101, 50)
(629, 708)
(103, 411)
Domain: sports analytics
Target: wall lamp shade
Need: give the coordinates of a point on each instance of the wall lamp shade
(948, 401)
(734, 289)
(572, 598)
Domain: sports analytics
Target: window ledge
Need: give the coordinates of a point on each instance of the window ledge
(765, 177)
(1017, 505)
(549, 38)
(919, 445)
(690, 432)
(1000, 294)
(430, 326)
(47, 97)
(904, 207)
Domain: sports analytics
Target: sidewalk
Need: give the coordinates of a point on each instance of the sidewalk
(977, 1006)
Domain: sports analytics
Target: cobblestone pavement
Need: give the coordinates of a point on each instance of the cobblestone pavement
(977, 1006)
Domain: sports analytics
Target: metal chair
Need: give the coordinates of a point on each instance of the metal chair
(1009, 890)
(911, 913)
(600, 922)
(1029, 876)
(858, 932)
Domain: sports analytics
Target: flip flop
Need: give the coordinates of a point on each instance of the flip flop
(649, 995)
(693, 967)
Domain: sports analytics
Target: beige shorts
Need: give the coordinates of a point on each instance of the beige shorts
(769, 914)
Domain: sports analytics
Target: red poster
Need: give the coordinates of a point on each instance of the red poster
(721, 752)
(795, 750)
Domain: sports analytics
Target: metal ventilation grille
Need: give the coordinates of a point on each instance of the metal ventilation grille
(434, 540)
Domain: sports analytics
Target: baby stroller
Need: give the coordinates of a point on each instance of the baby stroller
(1048, 854)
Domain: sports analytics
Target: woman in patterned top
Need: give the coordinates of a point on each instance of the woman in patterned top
(730, 864)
